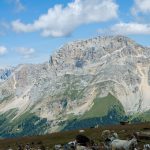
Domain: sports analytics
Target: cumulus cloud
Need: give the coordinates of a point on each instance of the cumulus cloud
(3, 50)
(141, 6)
(128, 29)
(61, 21)
(25, 52)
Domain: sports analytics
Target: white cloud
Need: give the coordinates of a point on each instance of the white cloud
(25, 52)
(61, 21)
(3, 50)
(128, 29)
(141, 6)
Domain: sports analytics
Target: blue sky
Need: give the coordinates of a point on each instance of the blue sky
(31, 30)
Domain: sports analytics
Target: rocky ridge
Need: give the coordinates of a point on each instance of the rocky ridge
(77, 74)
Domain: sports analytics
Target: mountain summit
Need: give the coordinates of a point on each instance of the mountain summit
(96, 81)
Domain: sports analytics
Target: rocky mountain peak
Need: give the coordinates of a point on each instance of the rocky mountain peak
(94, 78)
(82, 53)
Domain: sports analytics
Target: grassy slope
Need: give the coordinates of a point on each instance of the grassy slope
(50, 140)
(107, 110)
(27, 124)
(5, 121)
(141, 117)
(145, 116)
(102, 106)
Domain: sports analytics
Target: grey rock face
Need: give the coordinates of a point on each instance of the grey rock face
(5, 73)
(75, 75)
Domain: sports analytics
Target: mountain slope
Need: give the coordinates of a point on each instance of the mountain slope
(101, 71)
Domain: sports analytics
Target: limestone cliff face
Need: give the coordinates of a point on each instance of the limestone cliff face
(75, 75)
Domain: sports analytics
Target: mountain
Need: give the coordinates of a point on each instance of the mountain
(5, 73)
(102, 80)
